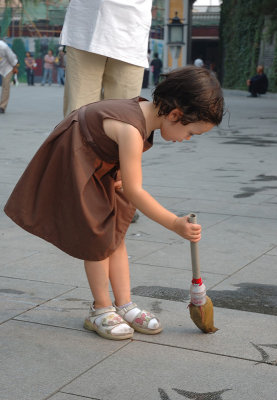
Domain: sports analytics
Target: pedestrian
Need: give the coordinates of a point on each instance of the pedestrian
(105, 57)
(30, 65)
(145, 81)
(8, 60)
(258, 84)
(157, 65)
(69, 194)
(60, 64)
(49, 60)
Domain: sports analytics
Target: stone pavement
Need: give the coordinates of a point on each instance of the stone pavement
(229, 178)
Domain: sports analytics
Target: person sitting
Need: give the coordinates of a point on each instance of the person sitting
(258, 84)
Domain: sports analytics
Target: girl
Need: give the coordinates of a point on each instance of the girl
(71, 193)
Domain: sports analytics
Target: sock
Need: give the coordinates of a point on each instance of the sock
(118, 329)
(131, 315)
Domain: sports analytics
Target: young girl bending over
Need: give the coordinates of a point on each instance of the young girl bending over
(71, 193)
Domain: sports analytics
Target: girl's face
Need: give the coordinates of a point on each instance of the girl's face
(177, 132)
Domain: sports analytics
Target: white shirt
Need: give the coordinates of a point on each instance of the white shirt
(7, 59)
(113, 28)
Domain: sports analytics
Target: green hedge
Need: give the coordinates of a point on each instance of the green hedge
(241, 27)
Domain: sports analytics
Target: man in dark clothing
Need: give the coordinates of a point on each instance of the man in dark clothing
(258, 84)
(156, 65)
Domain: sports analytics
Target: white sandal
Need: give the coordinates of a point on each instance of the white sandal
(108, 324)
(142, 321)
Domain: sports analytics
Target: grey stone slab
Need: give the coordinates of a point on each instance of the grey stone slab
(241, 334)
(68, 396)
(66, 311)
(19, 295)
(253, 288)
(137, 248)
(56, 267)
(224, 248)
(148, 275)
(39, 360)
(147, 230)
(158, 372)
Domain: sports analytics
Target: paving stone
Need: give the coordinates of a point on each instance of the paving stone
(55, 267)
(19, 295)
(224, 248)
(241, 334)
(173, 373)
(39, 360)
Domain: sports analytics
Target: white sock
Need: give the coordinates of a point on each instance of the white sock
(131, 315)
(118, 329)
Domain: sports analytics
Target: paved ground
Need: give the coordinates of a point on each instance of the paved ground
(227, 176)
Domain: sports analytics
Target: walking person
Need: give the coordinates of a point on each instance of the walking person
(105, 57)
(60, 64)
(157, 65)
(8, 60)
(30, 65)
(71, 193)
(49, 60)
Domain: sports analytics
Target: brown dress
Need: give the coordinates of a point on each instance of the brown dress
(66, 194)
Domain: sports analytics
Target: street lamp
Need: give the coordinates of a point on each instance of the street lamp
(175, 38)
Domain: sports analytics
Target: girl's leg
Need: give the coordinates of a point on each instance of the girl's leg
(98, 278)
(119, 275)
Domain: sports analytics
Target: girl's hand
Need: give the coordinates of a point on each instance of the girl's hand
(186, 229)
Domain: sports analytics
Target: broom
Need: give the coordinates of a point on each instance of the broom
(201, 306)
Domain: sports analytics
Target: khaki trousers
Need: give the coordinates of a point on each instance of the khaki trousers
(91, 77)
(6, 81)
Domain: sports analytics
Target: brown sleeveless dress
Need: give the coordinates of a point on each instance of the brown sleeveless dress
(66, 194)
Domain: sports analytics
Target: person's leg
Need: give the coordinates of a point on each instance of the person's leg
(50, 75)
(119, 275)
(83, 84)
(140, 320)
(122, 80)
(32, 77)
(98, 279)
(44, 76)
(60, 76)
(28, 71)
(5, 90)
(252, 89)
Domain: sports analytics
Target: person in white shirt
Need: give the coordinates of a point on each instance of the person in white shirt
(8, 61)
(106, 43)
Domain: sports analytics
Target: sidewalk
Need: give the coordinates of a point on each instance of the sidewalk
(229, 178)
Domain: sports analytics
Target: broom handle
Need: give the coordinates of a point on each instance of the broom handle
(194, 252)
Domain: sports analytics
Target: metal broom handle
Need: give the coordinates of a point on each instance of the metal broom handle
(194, 252)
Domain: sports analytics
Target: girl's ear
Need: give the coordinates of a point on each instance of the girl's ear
(174, 115)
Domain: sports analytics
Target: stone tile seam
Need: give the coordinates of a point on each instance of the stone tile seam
(37, 281)
(87, 370)
(22, 258)
(37, 305)
(257, 362)
(240, 269)
(134, 340)
(177, 269)
(79, 395)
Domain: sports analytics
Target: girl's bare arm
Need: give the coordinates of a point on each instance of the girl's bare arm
(130, 153)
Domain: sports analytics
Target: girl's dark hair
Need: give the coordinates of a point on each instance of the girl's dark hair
(194, 91)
